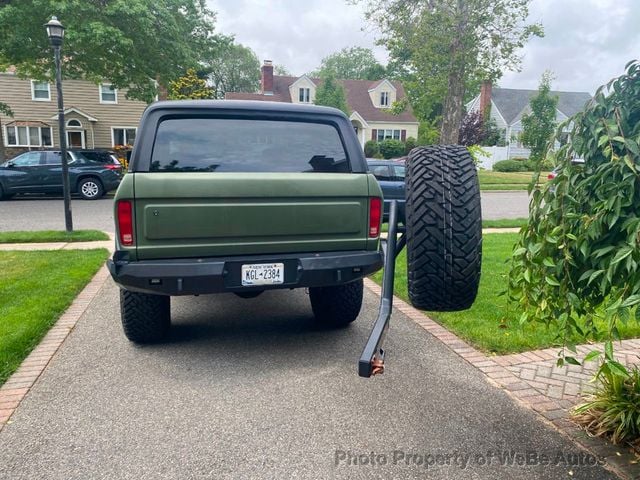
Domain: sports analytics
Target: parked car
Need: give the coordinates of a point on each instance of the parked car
(390, 176)
(92, 173)
(554, 173)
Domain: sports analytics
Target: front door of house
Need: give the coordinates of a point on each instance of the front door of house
(75, 139)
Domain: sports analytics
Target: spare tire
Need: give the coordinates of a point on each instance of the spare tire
(444, 228)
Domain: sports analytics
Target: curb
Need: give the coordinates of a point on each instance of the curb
(551, 411)
(20, 383)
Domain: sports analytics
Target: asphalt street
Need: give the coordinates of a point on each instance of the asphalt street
(46, 213)
(254, 389)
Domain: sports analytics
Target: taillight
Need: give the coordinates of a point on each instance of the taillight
(125, 222)
(551, 176)
(112, 166)
(375, 214)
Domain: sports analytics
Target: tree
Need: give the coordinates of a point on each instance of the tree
(578, 258)
(331, 94)
(355, 63)
(538, 126)
(5, 110)
(446, 44)
(233, 68)
(472, 130)
(130, 44)
(189, 87)
(281, 70)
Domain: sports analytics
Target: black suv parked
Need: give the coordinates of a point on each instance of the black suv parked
(92, 173)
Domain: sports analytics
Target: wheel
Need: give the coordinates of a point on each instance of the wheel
(444, 228)
(337, 306)
(90, 188)
(145, 318)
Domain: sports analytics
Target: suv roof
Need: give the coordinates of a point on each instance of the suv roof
(243, 105)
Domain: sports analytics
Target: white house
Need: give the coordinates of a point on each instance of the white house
(508, 105)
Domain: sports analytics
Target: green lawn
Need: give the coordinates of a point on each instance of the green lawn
(35, 289)
(44, 236)
(490, 180)
(490, 324)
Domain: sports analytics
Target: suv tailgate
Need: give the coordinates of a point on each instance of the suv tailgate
(213, 214)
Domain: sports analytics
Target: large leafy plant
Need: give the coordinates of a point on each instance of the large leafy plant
(578, 258)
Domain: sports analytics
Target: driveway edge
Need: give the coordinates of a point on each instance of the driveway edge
(20, 383)
(551, 411)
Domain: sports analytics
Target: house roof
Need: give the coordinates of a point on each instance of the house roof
(357, 93)
(511, 102)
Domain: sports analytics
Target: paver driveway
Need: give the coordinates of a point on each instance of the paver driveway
(252, 389)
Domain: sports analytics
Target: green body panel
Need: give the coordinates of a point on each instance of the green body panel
(180, 215)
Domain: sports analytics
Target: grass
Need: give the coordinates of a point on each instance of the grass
(36, 287)
(491, 325)
(505, 223)
(490, 180)
(44, 236)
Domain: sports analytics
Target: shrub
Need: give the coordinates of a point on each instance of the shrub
(391, 148)
(613, 410)
(409, 145)
(428, 133)
(371, 149)
(509, 166)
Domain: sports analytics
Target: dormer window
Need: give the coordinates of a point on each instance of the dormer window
(304, 95)
(384, 99)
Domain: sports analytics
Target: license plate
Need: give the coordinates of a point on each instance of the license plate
(262, 274)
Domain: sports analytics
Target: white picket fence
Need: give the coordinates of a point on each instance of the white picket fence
(501, 153)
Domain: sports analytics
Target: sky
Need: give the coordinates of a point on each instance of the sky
(586, 43)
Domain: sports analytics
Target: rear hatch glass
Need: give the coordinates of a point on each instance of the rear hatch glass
(238, 145)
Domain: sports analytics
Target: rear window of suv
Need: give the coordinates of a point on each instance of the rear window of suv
(238, 145)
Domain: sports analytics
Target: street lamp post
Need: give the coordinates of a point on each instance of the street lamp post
(55, 31)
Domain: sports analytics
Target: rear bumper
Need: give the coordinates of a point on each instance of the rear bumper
(191, 276)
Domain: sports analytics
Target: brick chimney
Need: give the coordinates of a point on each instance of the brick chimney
(485, 98)
(267, 78)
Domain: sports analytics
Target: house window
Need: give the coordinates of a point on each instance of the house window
(384, 99)
(108, 94)
(40, 91)
(28, 136)
(388, 134)
(74, 124)
(304, 95)
(123, 135)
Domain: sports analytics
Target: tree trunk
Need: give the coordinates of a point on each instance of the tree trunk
(452, 108)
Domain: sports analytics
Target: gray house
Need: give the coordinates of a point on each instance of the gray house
(96, 115)
(508, 105)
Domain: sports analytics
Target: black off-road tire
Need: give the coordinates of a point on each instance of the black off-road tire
(337, 306)
(145, 318)
(444, 228)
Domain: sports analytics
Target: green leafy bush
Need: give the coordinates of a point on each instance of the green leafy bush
(371, 149)
(509, 166)
(477, 153)
(579, 257)
(391, 148)
(409, 145)
(613, 411)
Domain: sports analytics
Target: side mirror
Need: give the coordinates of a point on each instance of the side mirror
(10, 164)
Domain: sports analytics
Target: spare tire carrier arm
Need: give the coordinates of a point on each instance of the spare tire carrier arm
(372, 359)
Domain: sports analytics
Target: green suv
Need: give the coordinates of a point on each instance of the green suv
(243, 197)
(225, 196)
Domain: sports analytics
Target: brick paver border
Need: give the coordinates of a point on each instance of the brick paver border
(534, 381)
(19, 384)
